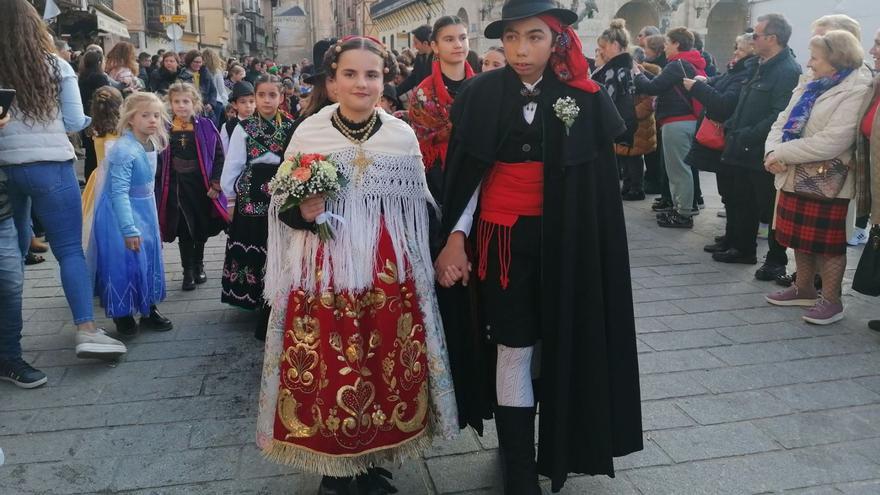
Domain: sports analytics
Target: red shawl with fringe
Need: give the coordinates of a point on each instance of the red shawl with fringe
(429, 116)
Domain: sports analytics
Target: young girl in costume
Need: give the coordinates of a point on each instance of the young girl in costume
(106, 104)
(256, 148)
(191, 206)
(356, 372)
(124, 246)
(429, 110)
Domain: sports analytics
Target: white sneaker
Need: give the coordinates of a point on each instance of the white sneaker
(97, 345)
(860, 236)
(763, 231)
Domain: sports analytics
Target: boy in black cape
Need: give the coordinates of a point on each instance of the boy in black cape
(533, 219)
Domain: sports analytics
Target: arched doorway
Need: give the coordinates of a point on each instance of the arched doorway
(638, 14)
(727, 20)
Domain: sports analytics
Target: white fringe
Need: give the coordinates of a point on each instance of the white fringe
(392, 189)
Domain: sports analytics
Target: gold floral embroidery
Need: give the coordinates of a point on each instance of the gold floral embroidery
(287, 410)
(418, 420)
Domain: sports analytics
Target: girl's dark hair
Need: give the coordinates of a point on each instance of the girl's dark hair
(318, 99)
(331, 58)
(268, 79)
(190, 56)
(476, 63)
(106, 104)
(27, 62)
(446, 21)
(91, 63)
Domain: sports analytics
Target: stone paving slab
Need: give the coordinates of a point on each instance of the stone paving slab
(738, 397)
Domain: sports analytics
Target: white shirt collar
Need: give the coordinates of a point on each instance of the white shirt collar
(532, 86)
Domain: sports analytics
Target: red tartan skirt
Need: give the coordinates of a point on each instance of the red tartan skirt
(813, 226)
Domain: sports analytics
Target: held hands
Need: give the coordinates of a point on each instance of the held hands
(213, 193)
(133, 243)
(702, 79)
(452, 264)
(311, 207)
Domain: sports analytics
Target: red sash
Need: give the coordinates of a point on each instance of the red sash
(509, 191)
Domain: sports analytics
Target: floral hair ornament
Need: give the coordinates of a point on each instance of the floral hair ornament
(567, 60)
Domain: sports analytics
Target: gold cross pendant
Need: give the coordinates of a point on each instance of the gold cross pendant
(361, 161)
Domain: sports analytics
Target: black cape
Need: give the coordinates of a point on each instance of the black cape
(588, 389)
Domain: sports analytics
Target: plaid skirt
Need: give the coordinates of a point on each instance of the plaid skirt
(813, 226)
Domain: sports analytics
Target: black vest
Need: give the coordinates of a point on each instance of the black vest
(523, 141)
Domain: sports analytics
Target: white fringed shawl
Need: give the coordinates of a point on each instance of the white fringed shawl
(392, 189)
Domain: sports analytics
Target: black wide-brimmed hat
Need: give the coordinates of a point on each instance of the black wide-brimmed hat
(390, 92)
(514, 10)
(241, 88)
(318, 52)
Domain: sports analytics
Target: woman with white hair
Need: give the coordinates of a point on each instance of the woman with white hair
(810, 149)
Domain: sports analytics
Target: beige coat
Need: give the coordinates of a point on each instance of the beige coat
(830, 132)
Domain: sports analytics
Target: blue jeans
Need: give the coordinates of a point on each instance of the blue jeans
(51, 189)
(11, 285)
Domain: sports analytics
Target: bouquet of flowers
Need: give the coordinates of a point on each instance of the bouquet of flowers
(303, 176)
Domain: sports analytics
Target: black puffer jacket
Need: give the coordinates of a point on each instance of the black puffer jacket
(763, 97)
(673, 101)
(617, 77)
(719, 96)
(161, 79)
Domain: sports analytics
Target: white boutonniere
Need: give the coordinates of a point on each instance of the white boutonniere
(566, 110)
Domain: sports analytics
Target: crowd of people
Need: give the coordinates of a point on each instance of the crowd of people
(469, 302)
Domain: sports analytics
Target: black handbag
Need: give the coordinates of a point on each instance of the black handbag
(867, 277)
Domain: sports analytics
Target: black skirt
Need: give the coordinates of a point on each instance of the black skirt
(189, 209)
(244, 267)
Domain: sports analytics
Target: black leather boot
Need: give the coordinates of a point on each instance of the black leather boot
(126, 325)
(516, 439)
(156, 321)
(374, 482)
(331, 485)
(262, 323)
(186, 259)
(199, 262)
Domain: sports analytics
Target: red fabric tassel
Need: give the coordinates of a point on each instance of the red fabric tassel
(509, 191)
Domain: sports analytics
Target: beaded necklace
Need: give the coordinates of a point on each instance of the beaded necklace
(361, 161)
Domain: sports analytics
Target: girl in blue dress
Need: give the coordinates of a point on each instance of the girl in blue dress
(124, 244)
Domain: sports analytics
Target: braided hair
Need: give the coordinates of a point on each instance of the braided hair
(106, 104)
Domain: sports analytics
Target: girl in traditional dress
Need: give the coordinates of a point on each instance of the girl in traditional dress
(256, 149)
(124, 248)
(429, 111)
(356, 372)
(191, 206)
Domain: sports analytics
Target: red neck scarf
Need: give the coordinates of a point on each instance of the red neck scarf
(429, 115)
(568, 61)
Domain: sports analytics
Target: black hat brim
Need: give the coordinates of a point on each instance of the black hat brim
(316, 78)
(496, 28)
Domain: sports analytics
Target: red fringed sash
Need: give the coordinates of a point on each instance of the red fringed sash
(509, 191)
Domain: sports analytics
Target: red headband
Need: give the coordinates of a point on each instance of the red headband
(568, 61)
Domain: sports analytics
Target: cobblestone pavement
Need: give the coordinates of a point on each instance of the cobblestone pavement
(739, 397)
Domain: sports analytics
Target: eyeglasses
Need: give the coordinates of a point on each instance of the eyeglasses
(760, 35)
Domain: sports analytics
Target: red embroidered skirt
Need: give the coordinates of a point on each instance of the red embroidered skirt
(805, 224)
(354, 375)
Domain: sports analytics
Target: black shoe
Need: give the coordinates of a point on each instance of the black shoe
(156, 321)
(718, 247)
(874, 325)
(676, 221)
(699, 204)
(331, 485)
(189, 279)
(126, 325)
(662, 205)
(199, 272)
(21, 373)
(770, 271)
(734, 255)
(633, 196)
(516, 441)
(374, 482)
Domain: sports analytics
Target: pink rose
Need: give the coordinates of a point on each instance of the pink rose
(302, 174)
